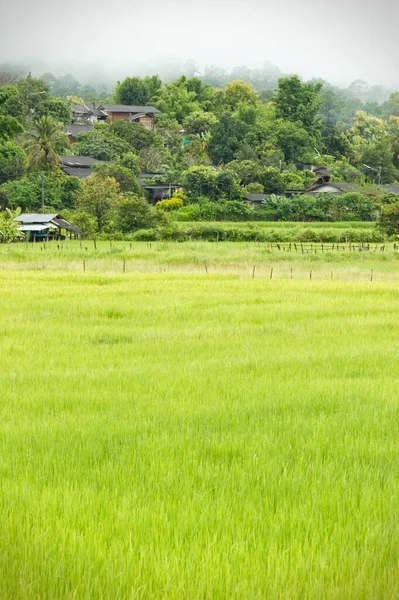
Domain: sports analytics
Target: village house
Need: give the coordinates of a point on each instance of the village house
(91, 113)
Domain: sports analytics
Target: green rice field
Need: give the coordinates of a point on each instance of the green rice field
(175, 424)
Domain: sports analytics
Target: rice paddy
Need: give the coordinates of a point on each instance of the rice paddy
(174, 424)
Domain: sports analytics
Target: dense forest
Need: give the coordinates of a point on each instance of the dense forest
(218, 136)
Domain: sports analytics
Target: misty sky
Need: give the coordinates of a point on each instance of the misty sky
(339, 41)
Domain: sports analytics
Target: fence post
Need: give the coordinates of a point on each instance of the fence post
(84, 265)
(310, 274)
(271, 273)
(206, 266)
(124, 266)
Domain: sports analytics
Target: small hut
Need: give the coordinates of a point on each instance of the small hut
(46, 226)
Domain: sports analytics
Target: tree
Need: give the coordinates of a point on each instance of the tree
(389, 219)
(179, 99)
(131, 162)
(56, 108)
(32, 92)
(295, 142)
(124, 176)
(9, 125)
(240, 92)
(135, 135)
(12, 162)
(272, 181)
(227, 186)
(134, 213)
(59, 190)
(390, 108)
(137, 90)
(103, 144)
(198, 123)
(200, 181)
(227, 136)
(247, 171)
(9, 228)
(299, 102)
(99, 197)
(44, 141)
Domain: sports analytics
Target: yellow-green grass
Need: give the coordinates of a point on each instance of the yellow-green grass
(286, 224)
(198, 257)
(183, 435)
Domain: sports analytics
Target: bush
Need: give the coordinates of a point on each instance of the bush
(170, 204)
(146, 235)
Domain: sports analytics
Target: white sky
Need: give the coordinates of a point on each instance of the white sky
(338, 40)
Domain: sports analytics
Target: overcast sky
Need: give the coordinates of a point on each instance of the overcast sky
(338, 40)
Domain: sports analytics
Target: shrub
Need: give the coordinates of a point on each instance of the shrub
(146, 235)
(170, 204)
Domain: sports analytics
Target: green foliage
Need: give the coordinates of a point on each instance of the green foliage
(135, 135)
(254, 188)
(170, 204)
(102, 143)
(294, 141)
(124, 177)
(137, 90)
(198, 123)
(9, 125)
(130, 161)
(56, 108)
(44, 141)
(135, 213)
(199, 181)
(247, 171)
(175, 202)
(227, 137)
(238, 93)
(59, 190)
(272, 181)
(388, 222)
(12, 162)
(299, 102)
(9, 228)
(233, 210)
(210, 183)
(323, 207)
(99, 197)
(185, 96)
(32, 91)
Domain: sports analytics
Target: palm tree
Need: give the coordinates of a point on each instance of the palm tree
(43, 142)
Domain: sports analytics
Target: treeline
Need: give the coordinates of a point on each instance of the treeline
(217, 144)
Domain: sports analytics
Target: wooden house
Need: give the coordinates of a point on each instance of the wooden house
(92, 113)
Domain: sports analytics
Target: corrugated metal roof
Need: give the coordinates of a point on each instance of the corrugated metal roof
(256, 197)
(80, 173)
(75, 130)
(37, 227)
(129, 108)
(35, 218)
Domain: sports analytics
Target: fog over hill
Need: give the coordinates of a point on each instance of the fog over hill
(334, 40)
